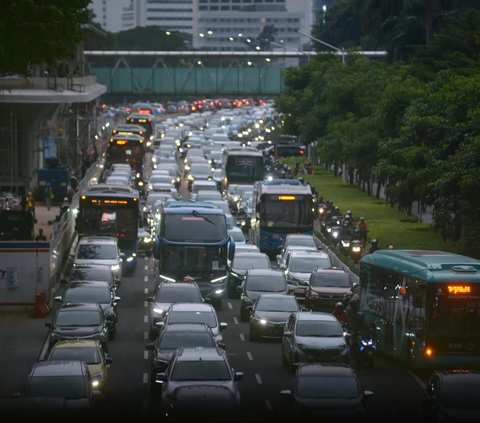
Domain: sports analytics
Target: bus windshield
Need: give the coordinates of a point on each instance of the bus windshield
(190, 257)
(292, 213)
(244, 169)
(196, 227)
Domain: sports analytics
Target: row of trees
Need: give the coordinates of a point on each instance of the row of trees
(417, 124)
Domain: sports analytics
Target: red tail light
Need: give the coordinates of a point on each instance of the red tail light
(220, 104)
(301, 151)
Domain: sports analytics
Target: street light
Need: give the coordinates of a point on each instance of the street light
(324, 43)
(249, 63)
(267, 59)
(209, 32)
(258, 47)
(201, 35)
(168, 32)
(199, 62)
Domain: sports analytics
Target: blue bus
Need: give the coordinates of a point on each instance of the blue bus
(111, 210)
(424, 305)
(280, 207)
(192, 241)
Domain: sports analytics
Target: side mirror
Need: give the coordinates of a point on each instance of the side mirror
(150, 347)
(223, 326)
(249, 308)
(117, 281)
(63, 281)
(319, 248)
(48, 325)
(58, 299)
(283, 267)
(355, 285)
(116, 299)
(279, 257)
(108, 360)
(304, 309)
(286, 394)
(121, 255)
(367, 394)
(160, 377)
(238, 376)
(17, 395)
(287, 334)
(207, 300)
(240, 288)
(160, 324)
(150, 300)
(96, 394)
(221, 345)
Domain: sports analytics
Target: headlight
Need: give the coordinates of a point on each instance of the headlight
(234, 274)
(218, 280)
(345, 243)
(301, 346)
(158, 310)
(263, 322)
(356, 249)
(173, 181)
(364, 342)
(218, 291)
(147, 239)
(181, 150)
(138, 175)
(149, 143)
(269, 178)
(154, 159)
(320, 210)
(235, 198)
(140, 184)
(213, 169)
(341, 347)
(334, 234)
(187, 167)
(243, 223)
(150, 187)
(167, 278)
(313, 294)
(186, 160)
(247, 300)
(329, 229)
(190, 178)
(116, 267)
(178, 179)
(209, 162)
(130, 259)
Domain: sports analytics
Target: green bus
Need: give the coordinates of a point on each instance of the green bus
(425, 306)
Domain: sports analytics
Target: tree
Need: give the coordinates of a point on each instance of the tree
(35, 31)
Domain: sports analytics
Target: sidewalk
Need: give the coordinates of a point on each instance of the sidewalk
(43, 216)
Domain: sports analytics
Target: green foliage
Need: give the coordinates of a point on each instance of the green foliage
(39, 31)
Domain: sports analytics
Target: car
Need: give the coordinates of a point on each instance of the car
(270, 314)
(237, 193)
(198, 367)
(200, 172)
(209, 196)
(299, 265)
(194, 313)
(257, 282)
(452, 396)
(320, 391)
(100, 250)
(145, 242)
(200, 185)
(169, 293)
(286, 150)
(164, 189)
(313, 337)
(78, 321)
(160, 179)
(326, 288)
(173, 337)
(299, 240)
(237, 235)
(282, 258)
(238, 269)
(247, 248)
(70, 380)
(93, 272)
(91, 292)
(90, 352)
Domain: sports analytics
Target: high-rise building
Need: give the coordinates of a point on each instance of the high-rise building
(108, 13)
(225, 24)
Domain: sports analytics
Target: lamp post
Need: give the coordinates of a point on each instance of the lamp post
(342, 50)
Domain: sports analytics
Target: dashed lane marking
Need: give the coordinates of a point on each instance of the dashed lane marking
(146, 290)
(145, 304)
(259, 379)
(145, 335)
(145, 378)
(242, 337)
(146, 267)
(235, 320)
(418, 380)
(250, 356)
(145, 319)
(269, 405)
(230, 306)
(146, 278)
(145, 355)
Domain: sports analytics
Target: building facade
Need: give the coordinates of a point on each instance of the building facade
(109, 13)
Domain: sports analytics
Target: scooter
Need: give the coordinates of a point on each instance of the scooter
(363, 349)
(334, 234)
(356, 250)
(322, 211)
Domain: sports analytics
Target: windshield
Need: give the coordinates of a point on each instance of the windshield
(96, 252)
(201, 169)
(266, 283)
(300, 242)
(246, 263)
(237, 236)
(128, 153)
(173, 340)
(201, 187)
(338, 280)
(194, 227)
(244, 169)
(461, 396)
(86, 354)
(209, 196)
(92, 275)
(287, 213)
(319, 328)
(220, 204)
(190, 257)
(111, 222)
(287, 304)
(200, 370)
(195, 153)
(332, 387)
(68, 387)
(160, 180)
(87, 295)
(178, 295)
(78, 318)
(206, 317)
(308, 264)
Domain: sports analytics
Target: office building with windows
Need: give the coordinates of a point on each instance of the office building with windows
(109, 13)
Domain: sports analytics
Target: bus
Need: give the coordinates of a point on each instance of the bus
(131, 129)
(127, 149)
(280, 207)
(242, 165)
(424, 305)
(145, 121)
(111, 210)
(192, 242)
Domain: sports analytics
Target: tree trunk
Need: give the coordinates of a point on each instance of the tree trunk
(369, 187)
(350, 174)
(428, 6)
(409, 209)
(377, 195)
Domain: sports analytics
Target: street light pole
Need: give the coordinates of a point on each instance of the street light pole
(342, 50)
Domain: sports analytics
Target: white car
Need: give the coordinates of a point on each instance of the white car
(100, 250)
(237, 235)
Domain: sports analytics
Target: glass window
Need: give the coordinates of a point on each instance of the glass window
(201, 169)
(195, 227)
(199, 258)
(206, 317)
(92, 274)
(160, 180)
(200, 370)
(308, 264)
(266, 283)
(339, 280)
(173, 340)
(111, 222)
(288, 304)
(319, 329)
(78, 318)
(282, 213)
(97, 251)
(327, 387)
(88, 295)
(125, 154)
(88, 355)
(300, 242)
(177, 295)
(246, 263)
(211, 196)
(68, 387)
(237, 236)
(244, 169)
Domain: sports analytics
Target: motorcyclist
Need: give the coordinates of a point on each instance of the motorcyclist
(390, 247)
(348, 297)
(341, 314)
(374, 247)
(336, 211)
(352, 308)
(314, 191)
(347, 220)
(320, 199)
(358, 328)
(283, 175)
(363, 229)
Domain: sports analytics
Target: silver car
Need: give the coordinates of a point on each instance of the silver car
(300, 265)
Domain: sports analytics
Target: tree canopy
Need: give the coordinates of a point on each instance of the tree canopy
(39, 31)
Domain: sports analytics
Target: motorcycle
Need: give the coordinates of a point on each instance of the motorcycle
(322, 211)
(363, 348)
(328, 224)
(356, 250)
(334, 234)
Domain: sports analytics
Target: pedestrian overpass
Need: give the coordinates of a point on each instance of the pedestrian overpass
(216, 73)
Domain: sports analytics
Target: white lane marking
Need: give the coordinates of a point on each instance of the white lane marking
(250, 356)
(145, 304)
(259, 379)
(145, 319)
(145, 405)
(145, 335)
(145, 378)
(145, 355)
(269, 405)
(242, 337)
(235, 320)
(418, 380)
(230, 306)
(146, 290)
(146, 267)
(146, 278)
(44, 350)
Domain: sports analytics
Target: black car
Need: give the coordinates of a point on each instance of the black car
(240, 264)
(452, 396)
(174, 336)
(79, 321)
(170, 293)
(94, 292)
(256, 283)
(270, 314)
(323, 391)
(286, 150)
(93, 272)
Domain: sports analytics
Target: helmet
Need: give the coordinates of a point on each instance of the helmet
(390, 247)
(353, 302)
(30, 193)
(339, 304)
(65, 200)
(349, 294)
(349, 212)
(374, 242)
(359, 316)
(362, 219)
(347, 217)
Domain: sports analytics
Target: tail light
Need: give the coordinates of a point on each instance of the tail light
(301, 151)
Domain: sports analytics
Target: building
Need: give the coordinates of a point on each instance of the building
(109, 13)
(225, 24)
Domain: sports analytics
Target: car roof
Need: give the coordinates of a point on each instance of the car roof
(235, 229)
(191, 307)
(249, 254)
(315, 315)
(77, 343)
(80, 307)
(330, 270)
(264, 272)
(98, 240)
(200, 354)
(247, 247)
(300, 253)
(275, 296)
(58, 368)
(93, 267)
(187, 327)
(178, 285)
(326, 370)
(457, 377)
